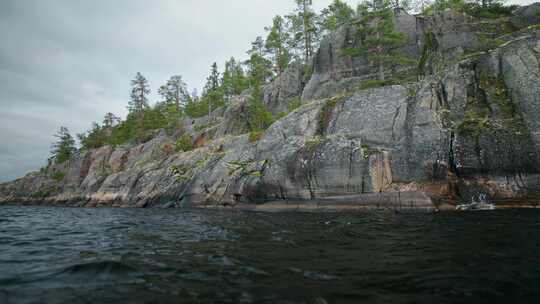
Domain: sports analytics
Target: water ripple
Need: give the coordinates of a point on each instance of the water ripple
(61, 255)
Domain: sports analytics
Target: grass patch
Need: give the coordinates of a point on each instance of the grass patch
(204, 127)
(314, 142)
(255, 136)
(489, 43)
(325, 115)
(294, 104)
(58, 176)
(373, 83)
(473, 124)
(247, 168)
(430, 45)
(534, 27)
(181, 172)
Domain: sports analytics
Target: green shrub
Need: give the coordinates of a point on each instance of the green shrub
(183, 144)
(491, 10)
(255, 136)
(367, 151)
(259, 118)
(58, 176)
(489, 43)
(373, 83)
(281, 115)
(325, 115)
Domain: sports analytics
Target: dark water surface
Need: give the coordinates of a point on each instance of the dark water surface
(60, 255)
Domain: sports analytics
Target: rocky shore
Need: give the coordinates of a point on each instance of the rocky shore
(467, 124)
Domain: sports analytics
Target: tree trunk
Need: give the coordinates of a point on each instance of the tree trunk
(380, 49)
(306, 34)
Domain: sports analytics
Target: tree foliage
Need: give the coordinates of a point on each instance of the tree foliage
(305, 32)
(233, 80)
(276, 44)
(175, 92)
(259, 68)
(139, 94)
(259, 118)
(64, 147)
(336, 14)
(379, 39)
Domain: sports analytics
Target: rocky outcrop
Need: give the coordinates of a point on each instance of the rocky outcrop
(526, 15)
(467, 125)
(284, 89)
(335, 72)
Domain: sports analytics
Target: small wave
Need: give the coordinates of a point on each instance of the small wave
(97, 273)
(319, 276)
(314, 275)
(101, 267)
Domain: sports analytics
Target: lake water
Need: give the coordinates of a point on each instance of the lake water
(62, 255)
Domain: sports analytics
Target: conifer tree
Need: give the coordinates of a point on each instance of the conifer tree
(110, 120)
(259, 68)
(233, 80)
(276, 44)
(304, 29)
(335, 15)
(175, 92)
(139, 94)
(212, 90)
(259, 118)
(379, 39)
(64, 147)
(257, 47)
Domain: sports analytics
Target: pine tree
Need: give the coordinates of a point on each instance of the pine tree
(139, 94)
(259, 118)
(175, 92)
(276, 44)
(212, 90)
(94, 138)
(233, 80)
(257, 47)
(64, 147)
(335, 15)
(110, 120)
(259, 68)
(379, 39)
(304, 29)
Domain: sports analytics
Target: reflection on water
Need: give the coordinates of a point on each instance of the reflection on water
(58, 255)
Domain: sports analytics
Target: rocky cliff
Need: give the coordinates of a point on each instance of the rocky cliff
(467, 123)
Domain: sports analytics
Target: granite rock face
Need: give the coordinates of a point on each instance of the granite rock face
(287, 87)
(526, 15)
(334, 72)
(468, 126)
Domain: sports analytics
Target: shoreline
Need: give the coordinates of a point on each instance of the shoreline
(313, 206)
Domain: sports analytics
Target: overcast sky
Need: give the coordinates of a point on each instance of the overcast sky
(67, 62)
